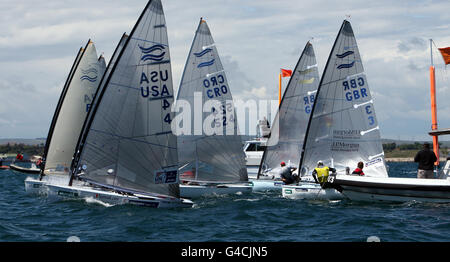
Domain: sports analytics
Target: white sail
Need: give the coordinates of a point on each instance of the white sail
(289, 126)
(343, 127)
(105, 76)
(129, 143)
(72, 110)
(211, 150)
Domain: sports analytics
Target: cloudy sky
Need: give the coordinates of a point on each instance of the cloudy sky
(255, 38)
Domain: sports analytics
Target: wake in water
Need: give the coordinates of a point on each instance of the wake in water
(91, 200)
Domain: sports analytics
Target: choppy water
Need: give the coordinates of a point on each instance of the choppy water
(256, 217)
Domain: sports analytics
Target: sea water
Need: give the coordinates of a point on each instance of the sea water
(256, 217)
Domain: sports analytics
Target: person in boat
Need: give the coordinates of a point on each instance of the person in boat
(286, 173)
(187, 177)
(321, 173)
(19, 156)
(39, 163)
(359, 170)
(426, 159)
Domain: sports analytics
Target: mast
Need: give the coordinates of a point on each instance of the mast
(434, 124)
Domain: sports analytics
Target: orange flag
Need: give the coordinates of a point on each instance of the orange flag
(285, 72)
(445, 52)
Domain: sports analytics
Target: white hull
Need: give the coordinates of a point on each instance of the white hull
(196, 191)
(79, 191)
(266, 185)
(393, 189)
(29, 170)
(311, 191)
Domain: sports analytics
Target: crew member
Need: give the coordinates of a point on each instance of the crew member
(286, 174)
(321, 173)
(359, 170)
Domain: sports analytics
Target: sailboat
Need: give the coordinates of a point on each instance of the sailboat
(211, 159)
(375, 185)
(289, 126)
(128, 154)
(343, 128)
(72, 108)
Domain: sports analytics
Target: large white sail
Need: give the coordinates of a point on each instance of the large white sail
(343, 127)
(105, 76)
(72, 109)
(129, 143)
(211, 149)
(289, 126)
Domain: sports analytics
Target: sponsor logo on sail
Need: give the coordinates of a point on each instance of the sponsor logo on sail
(202, 53)
(209, 63)
(89, 75)
(153, 53)
(345, 54)
(346, 65)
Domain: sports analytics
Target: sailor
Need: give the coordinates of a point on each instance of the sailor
(359, 170)
(286, 174)
(321, 173)
(426, 159)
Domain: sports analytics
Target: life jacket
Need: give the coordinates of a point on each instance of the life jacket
(358, 171)
(322, 174)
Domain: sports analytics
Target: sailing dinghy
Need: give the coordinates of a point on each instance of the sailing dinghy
(396, 189)
(72, 108)
(210, 163)
(343, 128)
(128, 153)
(289, 126)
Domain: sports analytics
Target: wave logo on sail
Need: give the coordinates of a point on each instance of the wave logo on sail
(345, 54)
(206, 63)
(202, 53)
(89, 74)
(149, 53)
(346, 65)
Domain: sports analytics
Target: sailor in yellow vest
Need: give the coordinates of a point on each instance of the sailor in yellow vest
(321, 173)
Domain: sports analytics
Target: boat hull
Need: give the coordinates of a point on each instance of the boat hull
(25, 169)
(393, 189)
(196, 191)
(266, 185)
(310, 191)
(34, 186)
